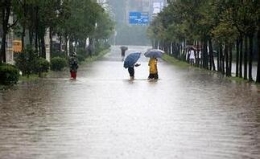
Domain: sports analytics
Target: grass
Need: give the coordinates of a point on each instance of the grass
(3, 87)
(175, 61)
(32, 77)
(184, 64)
(96, 57)
(242, 80)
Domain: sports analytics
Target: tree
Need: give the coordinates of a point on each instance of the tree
(104, 27)
(6, 9)
(213, 22)
(72, 20)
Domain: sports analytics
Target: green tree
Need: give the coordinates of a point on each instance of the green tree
(220, 23)
(104, 27)
(6, 8)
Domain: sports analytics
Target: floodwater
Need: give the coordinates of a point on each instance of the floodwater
(187, 114)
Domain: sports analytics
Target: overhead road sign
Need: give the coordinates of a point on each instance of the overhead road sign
(138, 18)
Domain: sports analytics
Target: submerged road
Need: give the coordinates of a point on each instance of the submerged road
(187, 114)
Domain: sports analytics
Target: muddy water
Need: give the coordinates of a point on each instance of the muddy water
(186, 114)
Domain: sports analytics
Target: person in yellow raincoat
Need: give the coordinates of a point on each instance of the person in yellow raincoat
(153, 72)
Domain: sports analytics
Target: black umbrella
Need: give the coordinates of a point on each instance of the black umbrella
(124, 48)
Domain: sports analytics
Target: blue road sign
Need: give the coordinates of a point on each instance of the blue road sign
(138, 17)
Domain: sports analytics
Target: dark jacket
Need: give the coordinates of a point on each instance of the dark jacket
(73, 62)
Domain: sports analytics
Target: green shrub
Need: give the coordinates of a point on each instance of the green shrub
(58, 54)
(26, 61)
(80, 58)
(42, 65)
(9, 74)
(82, 52)
(58, 63)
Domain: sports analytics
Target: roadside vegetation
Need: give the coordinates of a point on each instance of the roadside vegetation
(223, 31)
(175, 61)
(76, 24)
(184, 64)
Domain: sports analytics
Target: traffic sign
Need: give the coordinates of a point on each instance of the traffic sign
(138, 17)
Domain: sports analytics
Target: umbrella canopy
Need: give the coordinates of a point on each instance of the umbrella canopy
(156, 53)
(124, 48)
(131, 59)
(189, 47)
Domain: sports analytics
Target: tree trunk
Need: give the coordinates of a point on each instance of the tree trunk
(3, 52)
(60, 45)
(51, 43)
(66, 45)
(245, 58)
(31, 37)
(241, 56)
(218, 60)
(230, 61)
(222, 59)
(23, 35)
(237, 56)
(36, 28)
(250, 78)
(172, 52)
(212, 63)
(258, 60)
(43, 48)
(205, 54)
(5, 18)
(226, 57)
(23, 23)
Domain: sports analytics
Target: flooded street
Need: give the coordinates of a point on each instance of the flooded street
(187, 114)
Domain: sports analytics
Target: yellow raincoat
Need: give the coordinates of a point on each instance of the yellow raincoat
(153, 65)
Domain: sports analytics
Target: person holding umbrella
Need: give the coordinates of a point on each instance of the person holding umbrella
(153, 54)
(73, 63)
(130, 63)
(153, 72)
(131, 71)
(123, 50)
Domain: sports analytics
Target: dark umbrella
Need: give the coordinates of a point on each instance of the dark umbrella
(189, 47)
(131, 59)
(124, 48)
(156, 53)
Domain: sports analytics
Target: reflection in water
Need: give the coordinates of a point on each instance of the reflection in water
(187, 113)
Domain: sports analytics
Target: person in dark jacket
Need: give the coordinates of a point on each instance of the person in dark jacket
(73, 63)
(131, 71)
(123, 50)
